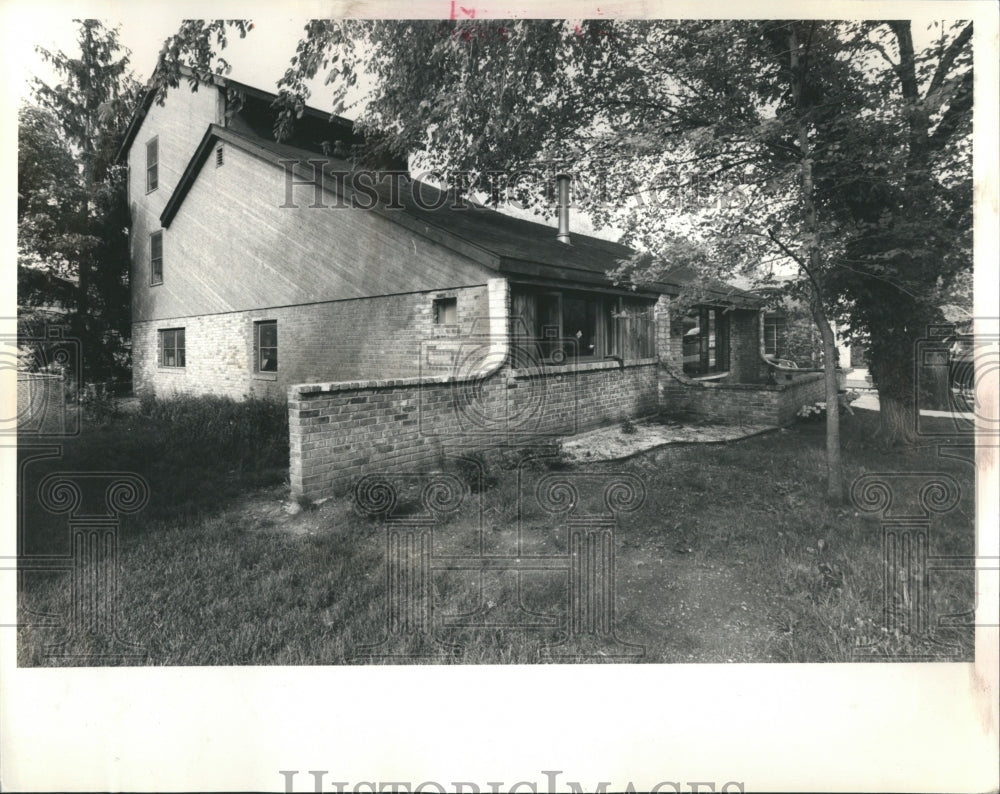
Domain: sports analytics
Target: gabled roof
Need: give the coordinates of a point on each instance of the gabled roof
(513, 246)
(342, 127)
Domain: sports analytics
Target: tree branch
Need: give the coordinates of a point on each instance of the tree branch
(948, 59)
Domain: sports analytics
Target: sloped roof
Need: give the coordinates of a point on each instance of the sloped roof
(513, 246)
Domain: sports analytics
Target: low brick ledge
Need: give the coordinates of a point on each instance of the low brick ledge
(587, 366)
(312, 389)
(806, 377)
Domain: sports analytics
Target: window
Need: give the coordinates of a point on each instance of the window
(565, 325)
(706, 342)
(446, 311)
(152, 165)
(774, 336)
(172, 347)
(266, 346)
(156, 258)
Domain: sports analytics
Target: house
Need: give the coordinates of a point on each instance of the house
(398, 321)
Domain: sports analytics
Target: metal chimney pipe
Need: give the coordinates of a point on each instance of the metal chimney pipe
(562, 187)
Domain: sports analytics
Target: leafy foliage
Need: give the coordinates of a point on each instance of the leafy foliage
(73, 220)
(734, 147)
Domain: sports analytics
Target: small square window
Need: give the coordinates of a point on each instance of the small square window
(266, 346)
(446, 311)
(156, 258)
(152, 165)
(172, 348)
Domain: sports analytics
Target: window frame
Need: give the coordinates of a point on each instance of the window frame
(153, 168)
(179, 350)
(622, 327)
(439, 309)
(155, 262)
(774, 331)
(705, 342)
(258, 348)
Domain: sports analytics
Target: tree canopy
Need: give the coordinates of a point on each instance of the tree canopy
(727, 145)
(73, 251)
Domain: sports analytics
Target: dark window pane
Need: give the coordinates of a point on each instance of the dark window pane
(156, 257)
(267, 346)
(580, 324)
(446, 311)
(152, 164)
(705, 342)
(172, 347)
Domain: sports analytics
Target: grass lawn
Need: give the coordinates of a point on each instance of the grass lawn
(733, 556)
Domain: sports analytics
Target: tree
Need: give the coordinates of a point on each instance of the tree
(725, 145)
(72, 213)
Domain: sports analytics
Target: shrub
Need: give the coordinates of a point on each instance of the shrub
(246, 434)
(99, 403)
(628, 426)
(475, 470)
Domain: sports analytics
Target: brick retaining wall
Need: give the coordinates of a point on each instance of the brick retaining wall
(734, 403)
(339, 431)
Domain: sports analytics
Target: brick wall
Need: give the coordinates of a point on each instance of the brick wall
(339, 431)
(359, 339)
(735, 403)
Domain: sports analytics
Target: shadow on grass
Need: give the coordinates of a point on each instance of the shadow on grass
(196, 454)
(734, 555)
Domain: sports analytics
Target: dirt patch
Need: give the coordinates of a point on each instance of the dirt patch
(613, 443)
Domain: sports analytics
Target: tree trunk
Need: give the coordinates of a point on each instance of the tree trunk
(834, 477)
(892, 375)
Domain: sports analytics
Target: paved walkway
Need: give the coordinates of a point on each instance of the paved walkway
(610, 443)
(869, 402)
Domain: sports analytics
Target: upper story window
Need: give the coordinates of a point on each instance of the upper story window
(152, 165)
(706, 341)
(156, 258)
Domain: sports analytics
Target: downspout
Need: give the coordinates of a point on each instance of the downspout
(498, 311)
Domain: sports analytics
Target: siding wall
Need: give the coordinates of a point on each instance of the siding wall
(179, 127)
(391, 336)
(232, 247)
